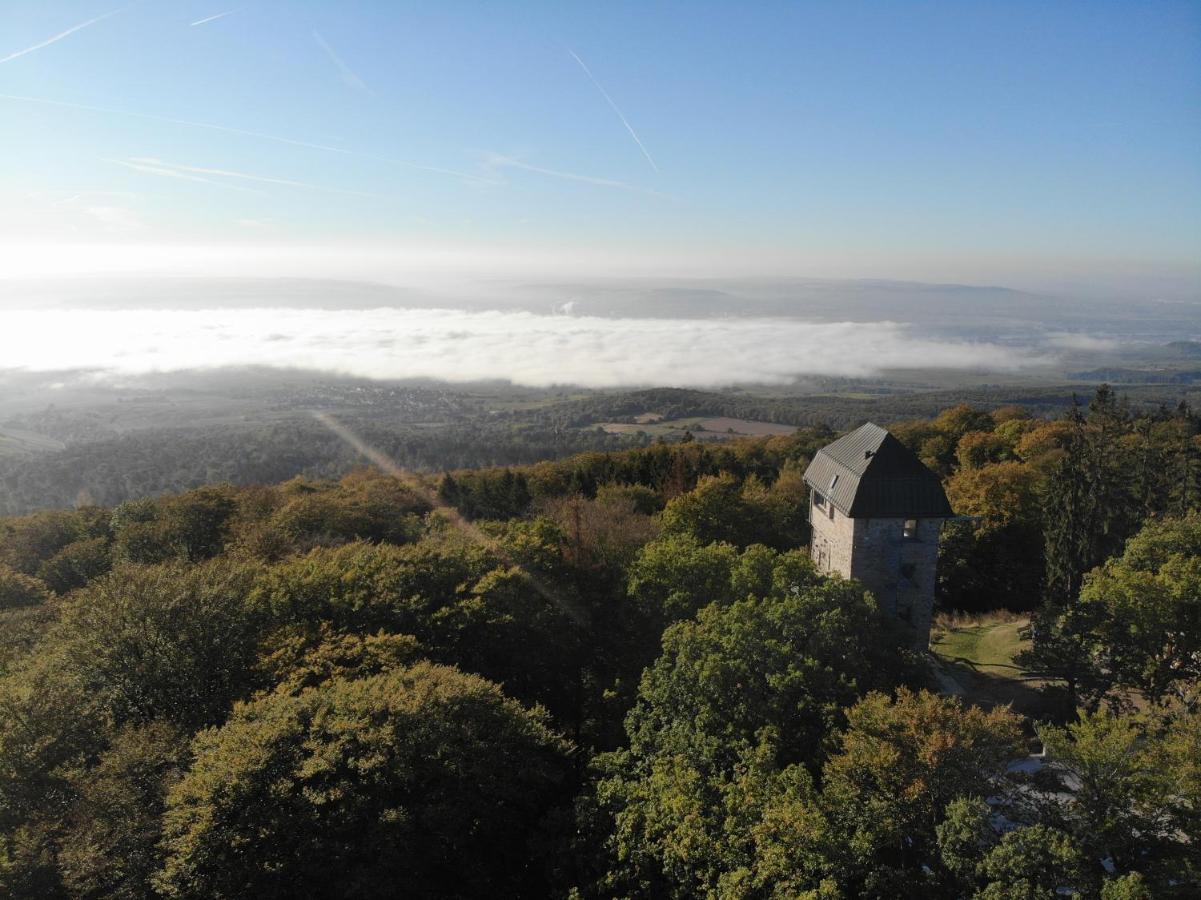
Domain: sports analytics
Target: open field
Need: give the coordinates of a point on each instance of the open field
(18, 441)
(714, 428)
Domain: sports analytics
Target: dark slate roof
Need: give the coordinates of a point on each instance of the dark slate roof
(870, 474)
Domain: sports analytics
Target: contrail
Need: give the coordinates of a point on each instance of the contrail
(228, 12)
(497, 159)
(161, 167)
(613, 106)
(349, 76)
(58, 37)
(571, 607)
(149, 167)
(210, 126)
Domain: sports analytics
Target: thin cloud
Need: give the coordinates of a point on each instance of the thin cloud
(150, 168)
(500, 161)
(62, 34)
(613, 106)
(243, 176)
(226, 129)
(349, 76)
(115, 218)
(80, 195)
(228, 12)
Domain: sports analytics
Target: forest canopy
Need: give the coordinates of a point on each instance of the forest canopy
(612, 675)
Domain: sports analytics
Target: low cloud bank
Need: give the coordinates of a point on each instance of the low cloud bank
(525, 348)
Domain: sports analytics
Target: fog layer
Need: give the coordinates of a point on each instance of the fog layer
(525, 348)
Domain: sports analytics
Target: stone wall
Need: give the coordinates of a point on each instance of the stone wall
(899, 571)
(832, 539)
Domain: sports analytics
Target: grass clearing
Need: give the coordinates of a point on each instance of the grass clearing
(990, 642)
(979, 654)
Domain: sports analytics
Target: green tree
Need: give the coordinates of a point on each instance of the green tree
(18, 589)
(965, 835)
(171, 641)
(76, 564)
(110, 848)
(897, 768)
(417, 782)
(790, 661)
(714, 794)
(1031, 863)
(1147, 606)
(302, 656)
(1110, 789)
(675, 575)
(714, 511)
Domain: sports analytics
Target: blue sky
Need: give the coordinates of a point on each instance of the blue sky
(949, 141)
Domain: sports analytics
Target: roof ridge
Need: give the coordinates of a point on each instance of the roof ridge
(869, 472)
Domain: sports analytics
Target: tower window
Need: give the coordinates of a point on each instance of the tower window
(909, 530)
(818, 500)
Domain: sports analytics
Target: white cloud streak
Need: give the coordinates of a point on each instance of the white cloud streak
(348, 75)
(148, 167)
(614, 107)
(497, 160)
(62, 34)
(160, 167)
(226, 129)
(198, 22)
(526, 348)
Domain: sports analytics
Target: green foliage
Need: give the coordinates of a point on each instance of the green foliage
(790, 661)
(17, 589)
(965, 835)
(676, 575)
(76, 564)
(110, 848)
(363, 507)
(1149, 633)
(1031, 863)
(721, 509)
(467, 605)
(299, 656)
(417, 782)
(172, 641)
(898, 766)
(714, 794)
(1111, 789)
(1127, 887)
(285, 651)
(27, 542)
(1137, 621)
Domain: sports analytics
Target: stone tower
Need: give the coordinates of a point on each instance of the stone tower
(876, 512)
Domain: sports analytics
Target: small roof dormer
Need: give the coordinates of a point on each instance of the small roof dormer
(868, 473)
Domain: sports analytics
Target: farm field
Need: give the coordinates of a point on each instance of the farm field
(715, 428)
(17, 441)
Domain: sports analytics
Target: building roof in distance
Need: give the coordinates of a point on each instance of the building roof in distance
(868, 473)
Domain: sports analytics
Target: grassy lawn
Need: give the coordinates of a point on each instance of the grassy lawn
(979, 655)
(984, 644)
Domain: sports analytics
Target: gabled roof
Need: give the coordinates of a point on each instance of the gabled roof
(870, 474)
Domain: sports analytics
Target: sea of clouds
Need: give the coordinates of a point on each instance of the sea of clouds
(525, 348)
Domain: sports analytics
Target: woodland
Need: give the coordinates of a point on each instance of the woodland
(614, 674)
